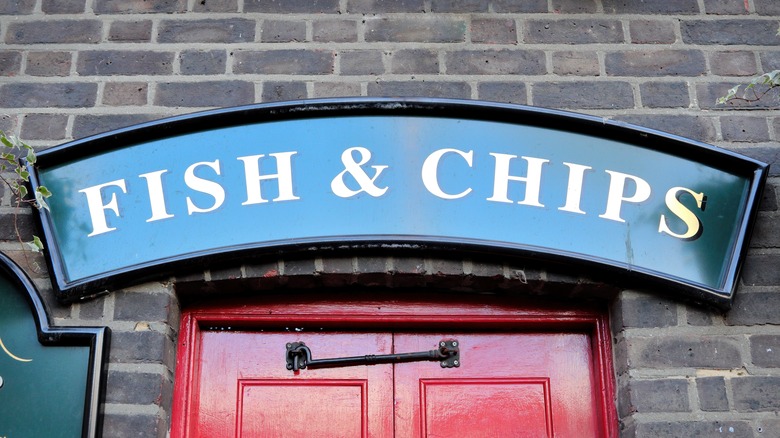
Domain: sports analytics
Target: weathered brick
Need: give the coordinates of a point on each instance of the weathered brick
(9, 224)
(493, 31)
(459, 6)
(712, 393)
(697, 316)
(525, 6)
(291, 62)
(579, 63)
(667, 395)
(93, 309)
(17, 7)
(756, 308)
(361, 62)
(48, 64)
(651, 32)
(731, 429)
(656, 63)
(54, 32)
(215, 6)
(645, 312)
(744, 128)
(336, 31)
(133, 426)
(759, 270)
(504, 92)
(684, 351)
(574, 6)
(336, 89)
(44, 126)
(766, 154)
(130, 31)
(449, 89)
(770, 60)
(286, 90)
(203, 62)
(282, 31)
(493, 62)
(229, 30)
(60, 95)
(769, 198)
(765, 350)
(664, 94)
(651, 7)
(219, 273)
(427, 29)
(414, 61)
(10, 62)
(124, 62)
(62, 6)
(125, 93)
(146, 346)
(384, 6)
(733, 63)
(767, 7)
(138, 6)
(205, 93)
(573, 31)
(730, 31)
(583, 95)
(756, 393)
(725, 7)
(140, 306)
(695, 127)
(135, 388)
(292, 6)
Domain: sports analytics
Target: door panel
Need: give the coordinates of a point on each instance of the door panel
(508, 384)
(245, 389)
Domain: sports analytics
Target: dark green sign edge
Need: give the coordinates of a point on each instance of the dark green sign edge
(96, 338)
(752, 170)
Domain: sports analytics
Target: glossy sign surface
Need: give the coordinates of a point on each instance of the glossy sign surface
(400, 177)
(49, 377)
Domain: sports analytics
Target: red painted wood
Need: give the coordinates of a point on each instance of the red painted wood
(532, 384)
(583, 337)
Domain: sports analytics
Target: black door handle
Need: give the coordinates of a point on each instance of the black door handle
(298, 357)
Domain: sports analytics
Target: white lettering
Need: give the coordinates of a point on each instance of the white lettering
(204, 186)
(156, 196)
(96, 206)
(615, 198)
(532, 182)
(574, 188)
(430, 170)
(283, 177)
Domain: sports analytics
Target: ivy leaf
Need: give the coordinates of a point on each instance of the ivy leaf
(41, 193)
(23, 174)
(22, 191)
(729, 95)
(31, 158)
(35, 245)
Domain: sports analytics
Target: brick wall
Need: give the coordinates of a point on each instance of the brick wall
(71, 68)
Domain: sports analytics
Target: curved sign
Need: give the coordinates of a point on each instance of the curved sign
(442, 173)
(50, 377)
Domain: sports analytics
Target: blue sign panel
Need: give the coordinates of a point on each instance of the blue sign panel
(490, 176)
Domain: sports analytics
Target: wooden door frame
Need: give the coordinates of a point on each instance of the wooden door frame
(392, 312)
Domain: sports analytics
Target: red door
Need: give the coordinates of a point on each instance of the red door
(511, 381)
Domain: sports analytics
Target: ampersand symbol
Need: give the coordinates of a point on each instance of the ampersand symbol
(354, 168)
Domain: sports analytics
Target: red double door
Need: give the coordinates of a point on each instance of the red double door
(515, 382)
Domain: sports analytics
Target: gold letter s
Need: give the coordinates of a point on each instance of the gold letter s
(693, 223)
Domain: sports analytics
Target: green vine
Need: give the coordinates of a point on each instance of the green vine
(755, 89)
(10, 151)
